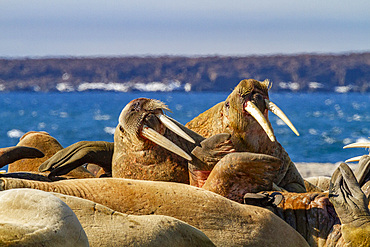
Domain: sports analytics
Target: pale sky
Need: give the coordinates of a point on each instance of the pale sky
(192, 27)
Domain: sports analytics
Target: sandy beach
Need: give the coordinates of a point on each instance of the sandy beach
(319, 169)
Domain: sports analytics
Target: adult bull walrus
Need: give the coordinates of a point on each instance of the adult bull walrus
(244, 115)
(147, 145)
(247, 135)
(141, 143)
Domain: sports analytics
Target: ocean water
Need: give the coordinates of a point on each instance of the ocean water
(326, 122)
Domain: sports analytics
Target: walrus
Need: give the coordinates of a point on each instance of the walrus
(325, 218)
(247, 135)
(32, 217)
(322, 183)
(141, 152)
(37, 218)
(351, 205)
(244, 115)
(147, 145)
(226, 223)
(32, 150)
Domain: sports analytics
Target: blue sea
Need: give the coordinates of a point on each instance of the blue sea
(326, 121)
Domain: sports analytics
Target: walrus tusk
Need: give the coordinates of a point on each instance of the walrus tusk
(169, 124)
(358, 145)
(278, 112)
(354, 159)
(162, 141)
(258, 116)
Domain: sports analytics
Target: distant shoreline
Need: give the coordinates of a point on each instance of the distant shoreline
(341, 73)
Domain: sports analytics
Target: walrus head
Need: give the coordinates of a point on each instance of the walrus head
(249, 103)
(142, 123)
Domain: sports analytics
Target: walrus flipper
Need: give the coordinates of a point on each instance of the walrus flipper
(241, 172)
(67, 159)
(351, 205)
(12, 154)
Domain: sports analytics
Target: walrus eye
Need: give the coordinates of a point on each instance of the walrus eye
(121, 128)
(227, 104)
(136, 107)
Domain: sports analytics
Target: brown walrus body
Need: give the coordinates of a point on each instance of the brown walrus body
(135, 153)
(339, 217)
(137, 157)
(247, 135)
(225, 222)
(43, 143)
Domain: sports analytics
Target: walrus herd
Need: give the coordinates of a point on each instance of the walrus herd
(220, 180)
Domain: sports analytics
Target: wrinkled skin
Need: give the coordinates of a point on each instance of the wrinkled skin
(246, 136)
(312, 215)
(137, 157)
(32, 150)
(80, 153)
(339, 217)
(351, 205)
(131, 155)
(246, 133)
(225, 222)
(12, 154)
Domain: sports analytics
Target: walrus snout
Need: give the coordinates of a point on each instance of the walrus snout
(259, 101)
(144, 118)
(152, 121)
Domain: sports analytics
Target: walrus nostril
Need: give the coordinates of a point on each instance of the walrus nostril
(258, 100)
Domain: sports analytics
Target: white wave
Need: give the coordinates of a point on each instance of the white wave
(357, 118)
(41, 125)
(125, 87)
(15, 133)
(294, 86)
(347, 141)
(112, 86)
(109, 130)
(187, 87)
(362, 140)
(101, 117)
(315, 85)
(64, 87)
(280, 122)
(178, 107)
(2, 87)
(342, 89)
(313, 132)
(63, 114)
(157, 86)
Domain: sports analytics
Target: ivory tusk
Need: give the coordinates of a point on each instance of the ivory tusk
(258, 116)
(172, 126)
(354, 159)
(278, 112)
(358, 145)
(162, 141)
